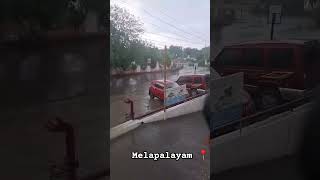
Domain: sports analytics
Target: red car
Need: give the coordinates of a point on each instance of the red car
(157, 88)
(195, 81)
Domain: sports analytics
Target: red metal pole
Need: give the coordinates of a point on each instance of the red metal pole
(132, 110)
(129, 101)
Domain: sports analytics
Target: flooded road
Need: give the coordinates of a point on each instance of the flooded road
(136, 87)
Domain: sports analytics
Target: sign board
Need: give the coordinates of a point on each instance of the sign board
(275, 10)
(176, 94)
(226, 99)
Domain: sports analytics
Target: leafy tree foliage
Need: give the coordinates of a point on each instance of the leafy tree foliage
(126, 45)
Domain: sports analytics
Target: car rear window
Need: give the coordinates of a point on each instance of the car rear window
(157, 85)
(229, 57)
(281, 58)
(253, 57)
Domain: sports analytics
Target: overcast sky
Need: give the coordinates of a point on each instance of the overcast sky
(184, 23)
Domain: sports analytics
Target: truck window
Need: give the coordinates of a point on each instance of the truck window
(229, 57)
(182, 80)
(280, 58)
(189, 79)
(253, 57)
(197, 80)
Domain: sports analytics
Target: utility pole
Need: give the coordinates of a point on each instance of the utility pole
(205, 57)
(272, 25)
(275, 13)
(165, 82)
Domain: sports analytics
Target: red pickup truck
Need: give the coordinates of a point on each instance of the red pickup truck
(194, 82)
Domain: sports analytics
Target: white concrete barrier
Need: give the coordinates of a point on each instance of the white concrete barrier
(124, 128)
(188, 107)
(275, 137)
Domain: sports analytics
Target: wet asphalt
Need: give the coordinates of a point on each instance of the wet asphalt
(136, 87)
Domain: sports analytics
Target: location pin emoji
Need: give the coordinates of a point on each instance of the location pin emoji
(203, 152)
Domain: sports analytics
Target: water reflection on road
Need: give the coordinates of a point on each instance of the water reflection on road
(136, 87)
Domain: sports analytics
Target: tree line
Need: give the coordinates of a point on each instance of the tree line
(127, 46)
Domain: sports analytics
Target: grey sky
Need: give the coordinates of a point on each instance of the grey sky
(189, 21)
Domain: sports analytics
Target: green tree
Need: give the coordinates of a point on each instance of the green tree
(124, 36)
(175, 51)
(192, 52)
(203, 56)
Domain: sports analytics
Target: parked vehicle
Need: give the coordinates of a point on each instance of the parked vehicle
(194, 82)
(299, 57)
(156, 88)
